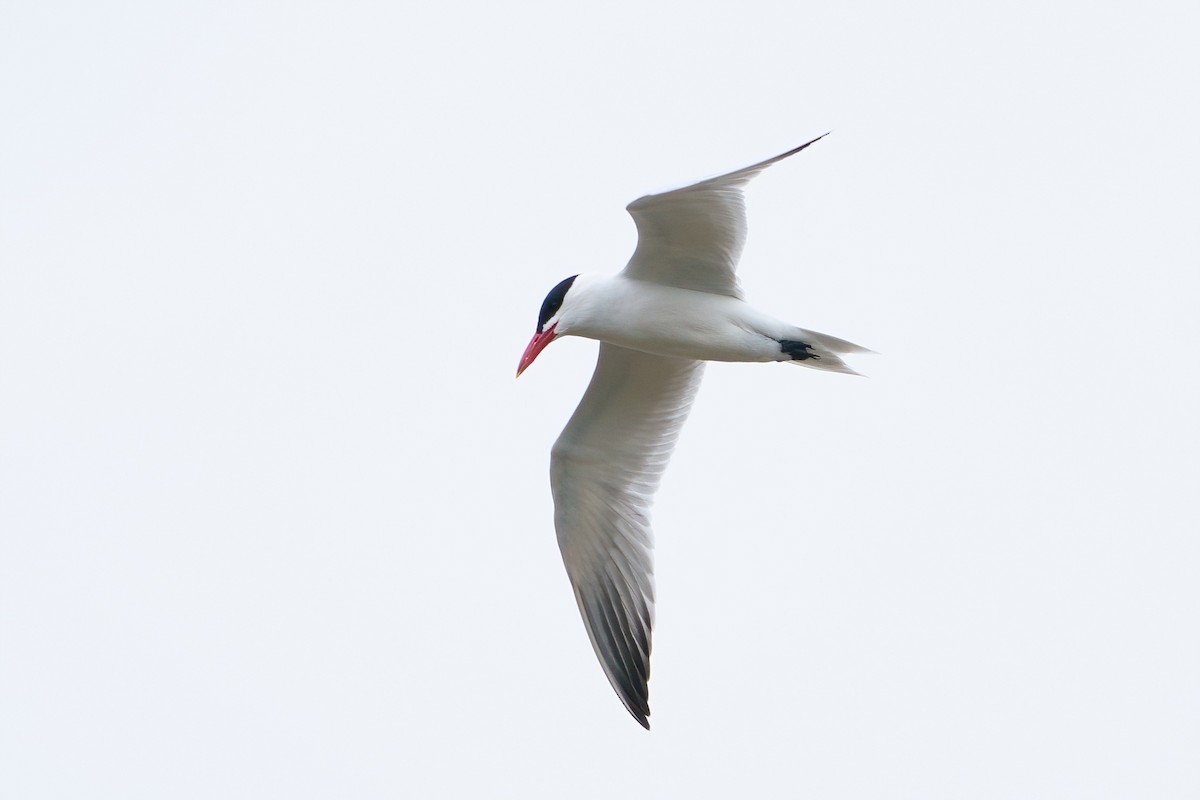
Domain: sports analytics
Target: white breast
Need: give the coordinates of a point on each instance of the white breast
(668, 321)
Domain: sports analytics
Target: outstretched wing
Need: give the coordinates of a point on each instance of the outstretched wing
(692, 238)
(604, 471)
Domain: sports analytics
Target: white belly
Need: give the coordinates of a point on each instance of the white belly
(679, 322)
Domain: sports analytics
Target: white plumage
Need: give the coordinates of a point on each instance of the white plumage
(675, 305)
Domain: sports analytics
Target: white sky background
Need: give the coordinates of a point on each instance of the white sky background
(274, 515)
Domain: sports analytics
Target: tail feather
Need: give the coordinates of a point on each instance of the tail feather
(824, 352)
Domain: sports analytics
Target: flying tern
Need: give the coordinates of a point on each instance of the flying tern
(676, 305)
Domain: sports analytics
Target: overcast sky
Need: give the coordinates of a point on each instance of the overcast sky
(275, 517)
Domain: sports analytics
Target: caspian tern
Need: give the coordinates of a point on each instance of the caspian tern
(675, 305)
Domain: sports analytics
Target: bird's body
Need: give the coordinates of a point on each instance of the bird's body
(680, 323)
(668, 321)
(675, 306)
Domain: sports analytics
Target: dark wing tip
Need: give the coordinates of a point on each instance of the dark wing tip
(622, 646)
(634, 692)
(740, 176)
(795, 150)
(638, 705)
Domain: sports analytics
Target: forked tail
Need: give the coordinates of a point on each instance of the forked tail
(819, 351)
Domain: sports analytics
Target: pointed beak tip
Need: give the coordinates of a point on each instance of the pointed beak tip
(536, 345)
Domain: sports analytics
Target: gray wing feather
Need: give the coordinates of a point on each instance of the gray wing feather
(692, 238)
(604, 471)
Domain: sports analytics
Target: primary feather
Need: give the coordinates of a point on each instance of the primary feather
(604, 470)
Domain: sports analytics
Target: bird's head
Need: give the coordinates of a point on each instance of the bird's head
(551, 322)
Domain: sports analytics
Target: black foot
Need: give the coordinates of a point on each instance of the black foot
(799, 351)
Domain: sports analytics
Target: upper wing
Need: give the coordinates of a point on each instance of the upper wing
(604, 470)
(692, 237)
